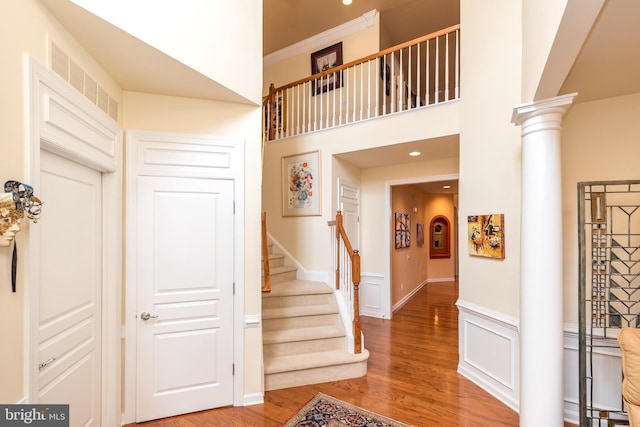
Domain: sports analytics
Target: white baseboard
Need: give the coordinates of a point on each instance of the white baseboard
(253, 399)
(407, 297)
(441, 279)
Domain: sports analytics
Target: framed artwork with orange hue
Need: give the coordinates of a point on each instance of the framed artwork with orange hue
(486, 235)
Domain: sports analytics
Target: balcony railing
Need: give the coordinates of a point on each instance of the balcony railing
(415, 74)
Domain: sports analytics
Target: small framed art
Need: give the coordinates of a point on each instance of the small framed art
(301, 189)
(324, 60)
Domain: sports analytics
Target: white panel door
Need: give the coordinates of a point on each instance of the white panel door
(349, 203)
(69, 315)
(185, 286)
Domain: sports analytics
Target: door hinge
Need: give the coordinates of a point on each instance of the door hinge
(234, 207)
(234, 288)
(233, 369)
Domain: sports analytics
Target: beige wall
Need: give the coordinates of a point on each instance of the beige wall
(26, 24)
(540, 22)
(408, 265)
(490, 146)
(599, 142)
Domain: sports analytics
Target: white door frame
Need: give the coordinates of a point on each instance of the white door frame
(65, 123)
(147, 145)
(386, 292)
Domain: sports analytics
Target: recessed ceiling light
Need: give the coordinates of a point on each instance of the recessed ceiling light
(446, 186)
(414, 153)
(346, 2)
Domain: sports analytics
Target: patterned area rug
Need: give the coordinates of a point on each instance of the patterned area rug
(327, 411)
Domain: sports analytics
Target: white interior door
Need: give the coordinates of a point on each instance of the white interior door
(69, 314)
(349, 203)
(184, 275)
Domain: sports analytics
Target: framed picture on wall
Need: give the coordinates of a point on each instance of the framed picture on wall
(324, 60)
(420, 234)
(486, 235)
(403, 230)
(301, 190)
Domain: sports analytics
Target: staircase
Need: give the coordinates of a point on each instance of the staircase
(303, 335)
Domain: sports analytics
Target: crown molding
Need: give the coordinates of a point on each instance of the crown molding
(363, 22)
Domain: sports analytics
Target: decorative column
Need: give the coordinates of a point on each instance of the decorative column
(541, 287)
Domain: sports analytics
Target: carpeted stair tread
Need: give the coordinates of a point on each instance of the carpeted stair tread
(302, 334)
(299, 311)
(298, 362)
(298, 287)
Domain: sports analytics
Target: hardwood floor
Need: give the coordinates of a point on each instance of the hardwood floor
(411, 376)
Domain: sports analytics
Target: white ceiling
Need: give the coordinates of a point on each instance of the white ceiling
(607, 65)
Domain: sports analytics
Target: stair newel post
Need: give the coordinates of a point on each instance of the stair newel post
(338, 228)
(272, 112)
(357, 330)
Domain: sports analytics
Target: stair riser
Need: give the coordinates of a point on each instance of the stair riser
(274, 261)
(296, 300)
(283, 277)
(309, 346)
(300, 322)
(315, 375)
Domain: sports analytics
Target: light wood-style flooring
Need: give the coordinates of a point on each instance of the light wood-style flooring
(411, 376)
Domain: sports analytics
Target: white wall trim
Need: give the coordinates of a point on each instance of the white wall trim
(371, 295)
(407, 297)
(53, 104)
(441, 279)
(253, 399)
(489, 351)
(341, 31)
(475, 323)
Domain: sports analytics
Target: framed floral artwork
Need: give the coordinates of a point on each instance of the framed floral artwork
(301, 189)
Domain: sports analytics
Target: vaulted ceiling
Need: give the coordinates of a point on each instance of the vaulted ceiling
(607, 65)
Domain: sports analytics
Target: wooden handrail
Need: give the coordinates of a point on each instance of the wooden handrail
(354, 255)
(382, 53)
(266, 286)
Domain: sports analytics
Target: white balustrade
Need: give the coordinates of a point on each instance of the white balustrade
(416, 74)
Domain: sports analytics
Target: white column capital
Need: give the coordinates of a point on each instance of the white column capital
(546, 112)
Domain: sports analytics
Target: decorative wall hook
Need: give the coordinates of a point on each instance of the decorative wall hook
(16, 202)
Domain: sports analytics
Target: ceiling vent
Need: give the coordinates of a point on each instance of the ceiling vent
(73, 74)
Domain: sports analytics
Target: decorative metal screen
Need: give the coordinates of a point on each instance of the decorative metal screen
(609, 289)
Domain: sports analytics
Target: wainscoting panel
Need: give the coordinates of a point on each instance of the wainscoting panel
(489, 356)
(489, 351)
(372, 298)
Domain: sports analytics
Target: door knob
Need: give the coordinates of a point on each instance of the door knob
(146, 316)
